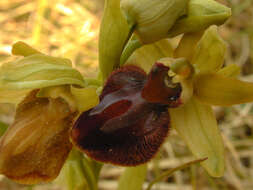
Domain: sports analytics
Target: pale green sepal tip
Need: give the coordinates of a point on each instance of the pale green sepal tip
(23, 49)
(222, 90)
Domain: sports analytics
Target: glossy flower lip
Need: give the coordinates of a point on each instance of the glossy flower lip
(125, 128)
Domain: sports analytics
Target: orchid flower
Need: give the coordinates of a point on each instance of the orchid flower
(124, 115)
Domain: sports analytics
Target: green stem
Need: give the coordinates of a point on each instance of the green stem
(42, 4)
(171, 171)
(89, 174)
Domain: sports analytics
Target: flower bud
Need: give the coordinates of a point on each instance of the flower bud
(200, 15)
(153, 19)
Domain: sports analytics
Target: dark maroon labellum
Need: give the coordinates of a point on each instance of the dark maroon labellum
(131, 121)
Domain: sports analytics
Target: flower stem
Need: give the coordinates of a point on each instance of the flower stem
(42, 4)
(171, 171)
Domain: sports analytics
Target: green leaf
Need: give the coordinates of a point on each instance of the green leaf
(33, 72)
(3, 128)
(215, 89)
(210, 52)
(114, 34)
(197, 125)
(201, 14)
(133, 178)
(171, 171)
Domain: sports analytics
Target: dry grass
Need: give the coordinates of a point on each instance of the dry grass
(69, 28)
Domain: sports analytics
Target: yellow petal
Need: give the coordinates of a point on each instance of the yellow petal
(147, 55)
(36, 145)
(86, 98)
(210, 51)
(216, 89)
(187, 45)
(197, 125)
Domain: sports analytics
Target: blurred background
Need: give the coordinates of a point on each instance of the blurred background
(69, 28)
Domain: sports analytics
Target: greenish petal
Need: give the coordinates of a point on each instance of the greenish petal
(210, 52)
(114, 33)
(187, 45)
(216, 89)
(32, 72)
(133, 178)
(147, 55)
(197, 125)
(86, 98)
(201, 14)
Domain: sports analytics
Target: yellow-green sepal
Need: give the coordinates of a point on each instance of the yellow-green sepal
(216, 89)
(197, 125)
(34, 72)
